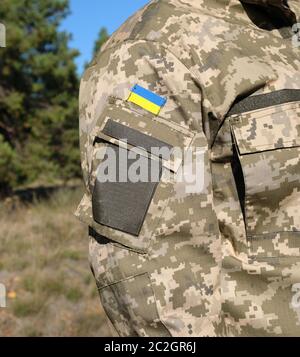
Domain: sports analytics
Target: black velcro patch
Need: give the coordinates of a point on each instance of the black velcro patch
(136, 138)
(123, 205)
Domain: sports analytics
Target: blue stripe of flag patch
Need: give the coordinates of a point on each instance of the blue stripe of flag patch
(152, 97)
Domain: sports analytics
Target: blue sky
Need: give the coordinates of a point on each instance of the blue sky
(88, 16)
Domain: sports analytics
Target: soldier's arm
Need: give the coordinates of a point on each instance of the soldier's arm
(107, 84)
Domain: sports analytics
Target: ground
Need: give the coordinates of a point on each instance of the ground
(44, 267)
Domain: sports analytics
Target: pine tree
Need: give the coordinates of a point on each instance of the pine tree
(102, 38)
(38, 95)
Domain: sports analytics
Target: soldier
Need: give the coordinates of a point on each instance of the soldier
(220, 79)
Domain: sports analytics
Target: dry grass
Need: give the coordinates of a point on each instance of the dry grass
(44, 266)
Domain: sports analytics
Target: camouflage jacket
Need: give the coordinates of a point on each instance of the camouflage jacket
(222, 259)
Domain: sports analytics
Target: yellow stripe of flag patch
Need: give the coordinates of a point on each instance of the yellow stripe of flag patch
(144, 103)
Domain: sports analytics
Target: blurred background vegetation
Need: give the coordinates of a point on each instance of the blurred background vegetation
(38, 95)
(43, 249)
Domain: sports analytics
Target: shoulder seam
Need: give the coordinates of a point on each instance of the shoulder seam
(166, 48)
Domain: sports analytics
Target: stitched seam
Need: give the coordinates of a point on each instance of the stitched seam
(124, 102)
(265, 111)
(121, 281)
(272, 146)
(167, 49)
(271, 233)
(292, 104)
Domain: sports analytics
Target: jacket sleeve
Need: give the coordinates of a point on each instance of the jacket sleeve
(113, 75)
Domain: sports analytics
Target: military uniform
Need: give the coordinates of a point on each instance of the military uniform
(223, 260)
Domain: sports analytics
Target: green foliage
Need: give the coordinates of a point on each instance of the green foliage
(8, 166)
(74, 294)
(28, 306)
(102, 38)
(38, 95)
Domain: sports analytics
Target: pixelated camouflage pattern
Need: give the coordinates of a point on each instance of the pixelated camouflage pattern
(199, 267)
(276, 127)
(272, 176)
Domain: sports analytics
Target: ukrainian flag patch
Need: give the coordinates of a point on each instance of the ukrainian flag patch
(146, 99)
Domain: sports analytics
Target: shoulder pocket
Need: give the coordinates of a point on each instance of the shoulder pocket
(267, 142)
(125, 210)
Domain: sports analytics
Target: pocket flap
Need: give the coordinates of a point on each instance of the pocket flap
(128, 214)
(276, 127)
(120, 125)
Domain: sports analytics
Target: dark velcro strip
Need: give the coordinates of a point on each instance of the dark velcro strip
(265, 100)
(123, 205)
(136, 138)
